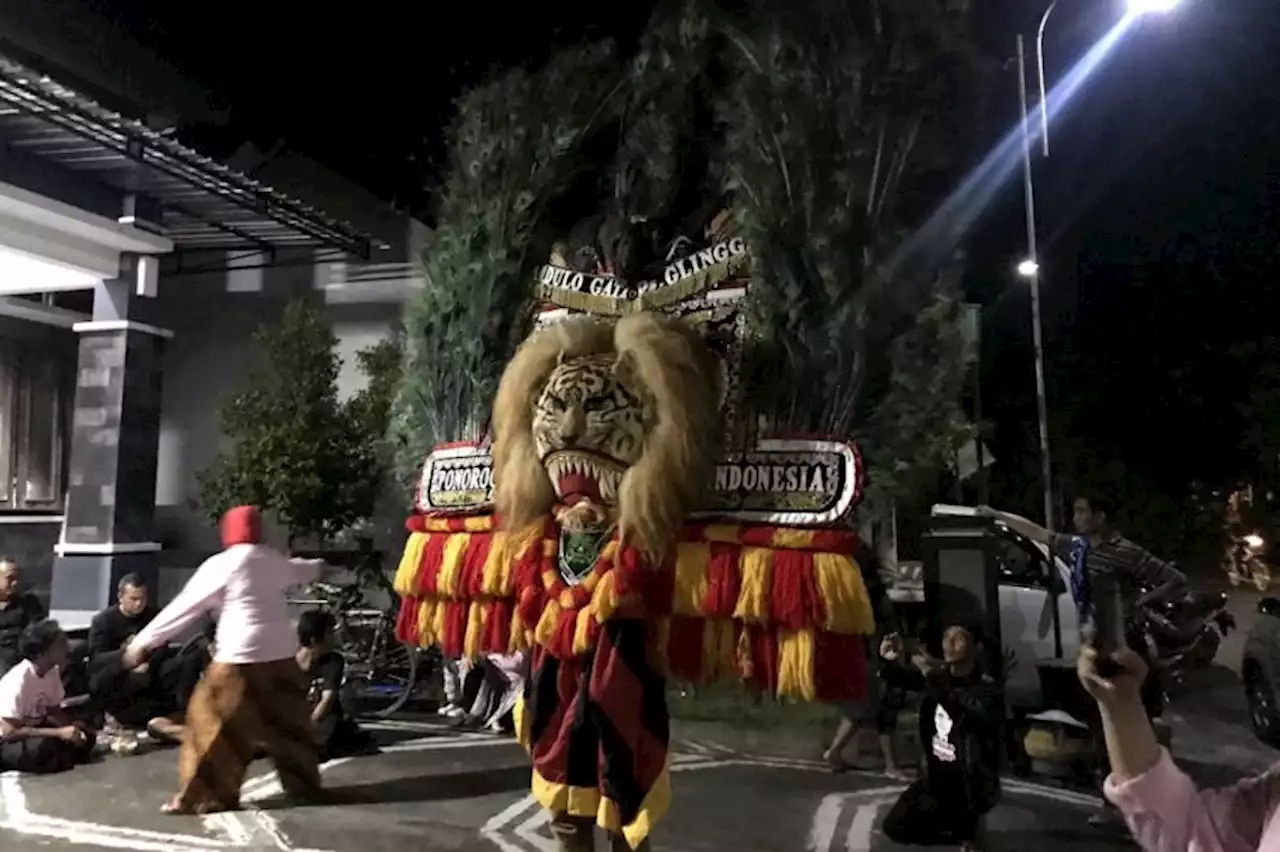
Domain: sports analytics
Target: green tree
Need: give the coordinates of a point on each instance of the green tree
(830, 127)
(371, 406)
(292, 448)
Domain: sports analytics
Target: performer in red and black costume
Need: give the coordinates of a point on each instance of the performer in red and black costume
(604, 436)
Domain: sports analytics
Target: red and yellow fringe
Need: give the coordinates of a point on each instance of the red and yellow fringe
(785, 609)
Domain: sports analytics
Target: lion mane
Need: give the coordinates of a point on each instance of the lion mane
(671, 367)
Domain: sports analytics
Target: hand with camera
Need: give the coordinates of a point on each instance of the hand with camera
(1115, 681)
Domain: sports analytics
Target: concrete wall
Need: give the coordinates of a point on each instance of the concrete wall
(206, 359)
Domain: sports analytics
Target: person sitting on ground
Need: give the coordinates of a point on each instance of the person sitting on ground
(961, 731)
(1162, 806)
(153, 695)
(337, 735)
(18, 609)
(36, 734)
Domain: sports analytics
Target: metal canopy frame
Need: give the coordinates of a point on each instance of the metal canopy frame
(204, 206)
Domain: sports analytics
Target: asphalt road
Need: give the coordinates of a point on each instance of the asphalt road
(435, 789)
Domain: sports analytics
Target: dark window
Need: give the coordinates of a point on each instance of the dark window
(1021, 562)
(31, 427)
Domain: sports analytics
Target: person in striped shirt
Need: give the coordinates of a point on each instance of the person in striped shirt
(1109, 562)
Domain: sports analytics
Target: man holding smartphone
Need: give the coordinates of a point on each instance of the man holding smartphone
(1112, 579)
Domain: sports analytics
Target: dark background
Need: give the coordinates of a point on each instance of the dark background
(1157, 217)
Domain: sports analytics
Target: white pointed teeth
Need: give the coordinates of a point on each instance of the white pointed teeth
(563, 464)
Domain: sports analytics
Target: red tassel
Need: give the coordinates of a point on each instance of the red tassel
(530, 605)
(471, 576)
(560, 644)
(525, 573)
(580, 595)
(764, 660)
(724, 581)
(792, 571)
(453, 642)
(839, 667)
(497, 627)
(407, 621)
(757, 536)
(429, 567)
(627, 569)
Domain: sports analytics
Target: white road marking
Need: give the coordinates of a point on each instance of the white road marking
(18, 818)
(860, 828)
(822, 829)
(528, 831)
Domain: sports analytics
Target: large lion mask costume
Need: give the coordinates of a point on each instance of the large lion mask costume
(616, 420)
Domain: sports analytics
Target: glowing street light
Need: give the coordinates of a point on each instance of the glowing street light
(1028, 268)
(1143, 7)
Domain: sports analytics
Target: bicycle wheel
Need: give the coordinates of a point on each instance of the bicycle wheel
(383, 677)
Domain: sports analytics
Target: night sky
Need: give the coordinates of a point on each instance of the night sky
(1158, 215)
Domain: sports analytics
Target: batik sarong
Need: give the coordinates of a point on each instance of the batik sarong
(236, 711)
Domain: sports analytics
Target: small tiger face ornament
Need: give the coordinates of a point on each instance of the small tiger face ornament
(589, 426)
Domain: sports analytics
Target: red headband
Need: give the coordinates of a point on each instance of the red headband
(241, 525)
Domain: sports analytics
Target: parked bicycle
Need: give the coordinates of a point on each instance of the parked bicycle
(381, 671)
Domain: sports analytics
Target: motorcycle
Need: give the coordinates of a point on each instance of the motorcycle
(1184, 633)
(1245, 561)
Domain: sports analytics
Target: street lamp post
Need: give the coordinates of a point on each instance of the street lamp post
(1030, 268)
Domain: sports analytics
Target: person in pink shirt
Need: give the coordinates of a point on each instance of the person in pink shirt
(1166, 811)
(252, 695)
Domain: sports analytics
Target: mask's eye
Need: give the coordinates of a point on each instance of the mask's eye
(553, 403)
(594, 404)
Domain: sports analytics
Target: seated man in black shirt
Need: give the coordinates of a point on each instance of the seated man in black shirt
(154, 694)
(337, 735)
(17, 610)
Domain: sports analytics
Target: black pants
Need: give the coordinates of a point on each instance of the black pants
(919, 818)
(340, 736)
(45, 755)
(172, 675)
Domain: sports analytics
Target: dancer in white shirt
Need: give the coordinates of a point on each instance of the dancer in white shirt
(253, 694)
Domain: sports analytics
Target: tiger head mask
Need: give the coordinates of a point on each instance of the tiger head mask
(617, 418)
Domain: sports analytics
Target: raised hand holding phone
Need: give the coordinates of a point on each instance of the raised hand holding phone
(1106, 627)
